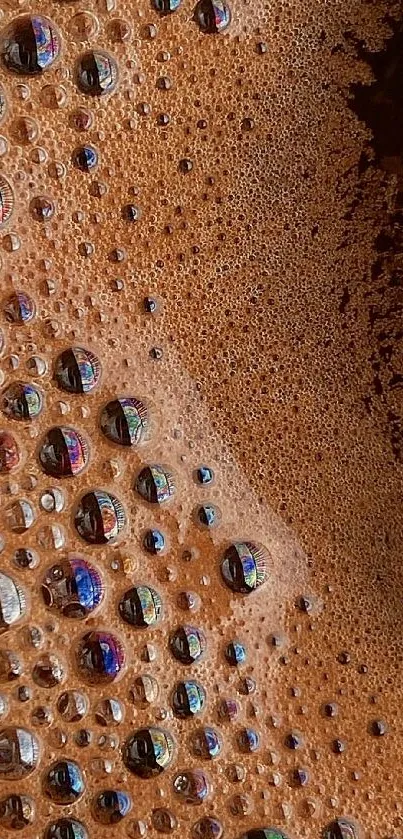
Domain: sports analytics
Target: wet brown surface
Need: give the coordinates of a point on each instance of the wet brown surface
(269, 233)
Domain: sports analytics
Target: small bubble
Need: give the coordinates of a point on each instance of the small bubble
(204, 475)
(148, 752)
(192, 786)
(52, 500)
(141, 606)
(48, 672)
(72, 705)
(212, 16)
(20, 753)
(185, 166)
(235, 653)
(144, 691)
(64, 783)
(109, 712)
(82, 119)
(188, 644)
(19, 308)
(188, 699)
(83, 26)
(85, 158)
(155, 483)
(111, 806)
(100, 657)
(164, 820)
(166, 7)
(96, 73)
(378, 728)
(208, 515)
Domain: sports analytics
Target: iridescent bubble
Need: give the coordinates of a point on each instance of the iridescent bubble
(6, 201)
(235, 653)
(66, 829)
(109, 712)
(212, 16)
(9, 453)
(155, 484)
(19, 753)
(141, 606)
(64, 452)
(188, 699)
(192, 786)
(64, 782)
(73, 587)
(96, 73)
(77, 370)
(30, 44)
(208, 515)
(188, 644)
(100, 657)
(12, 602)
(264, 833)
(244, 567)
(341, 828)
(165, 7)
(204, 475)
(111, 806)
(85, 158)
(154, 541)
(207, 743)
(148, 752)
(48, 672)
(124, 421)
(16, 811)
(207, 828)
(19, 308)
(72, 705)
(22, 401)
(99, 517)
(249, 740)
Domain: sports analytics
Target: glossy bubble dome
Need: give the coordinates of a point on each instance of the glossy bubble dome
(244, 567)
(100, 657)
(64, 452)
(74, 588)
(29, 45)
(99, 517)
(19, 753)
(148, 752)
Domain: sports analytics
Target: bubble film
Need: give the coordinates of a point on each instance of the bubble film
(201, 433)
